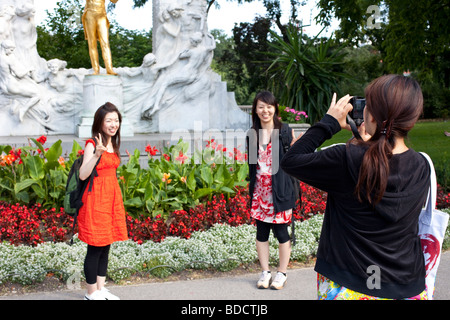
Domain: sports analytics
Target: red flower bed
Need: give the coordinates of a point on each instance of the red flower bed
(34, 225)
(234, 212)
(442, 198)
(31, 226)
(313, 201)
(146, 228)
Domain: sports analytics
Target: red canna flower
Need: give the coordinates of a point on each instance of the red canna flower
(41, 139)
(181, 157)
(151, 150)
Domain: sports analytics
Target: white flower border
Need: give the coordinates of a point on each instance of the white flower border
(222, 247)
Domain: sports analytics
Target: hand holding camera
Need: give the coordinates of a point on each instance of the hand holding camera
(349, 112)
(339, 110)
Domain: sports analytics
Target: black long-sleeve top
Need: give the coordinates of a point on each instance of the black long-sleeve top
(355, 235)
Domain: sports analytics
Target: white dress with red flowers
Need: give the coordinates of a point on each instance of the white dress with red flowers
(262, 203)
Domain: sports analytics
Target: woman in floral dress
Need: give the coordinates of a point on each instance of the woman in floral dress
(272, 191)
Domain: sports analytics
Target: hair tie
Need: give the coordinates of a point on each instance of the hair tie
(386, 129)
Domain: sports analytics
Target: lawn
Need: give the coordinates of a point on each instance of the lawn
(426, 136)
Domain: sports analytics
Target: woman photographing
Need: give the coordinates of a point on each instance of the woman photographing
(376, 188)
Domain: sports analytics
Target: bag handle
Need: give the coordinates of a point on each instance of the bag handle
(430, 205)
(433, 183)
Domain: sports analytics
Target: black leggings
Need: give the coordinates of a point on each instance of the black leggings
(96, 263)
(280, 231)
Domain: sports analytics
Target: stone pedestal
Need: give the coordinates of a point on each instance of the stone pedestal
(97, 90)
(182, 116)
(299, 128)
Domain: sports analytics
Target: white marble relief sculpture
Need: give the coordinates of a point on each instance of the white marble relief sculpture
(18, 83)
(25, 37)
(64, 86)
(168, 34)
(138, 84)
(6, 15)
(38, 96)
(188, 73)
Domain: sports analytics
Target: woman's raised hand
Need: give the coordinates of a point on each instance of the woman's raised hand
(99, 147)
(340, 109)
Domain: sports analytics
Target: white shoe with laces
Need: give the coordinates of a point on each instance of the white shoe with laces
(279, 282)
(264, 280)
(108, 295)
(96, 295)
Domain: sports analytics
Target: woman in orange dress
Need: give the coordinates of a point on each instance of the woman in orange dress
(101, 219)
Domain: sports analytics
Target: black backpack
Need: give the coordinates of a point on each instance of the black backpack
(286, 139)
(75, 189)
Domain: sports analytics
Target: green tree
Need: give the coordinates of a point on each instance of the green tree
(304, 72)
(412, 35)
(62, 37)
(362, 65)
(228, 65)
(252, 42)
(128, 47)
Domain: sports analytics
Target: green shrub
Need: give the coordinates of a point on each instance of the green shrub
(32, 174)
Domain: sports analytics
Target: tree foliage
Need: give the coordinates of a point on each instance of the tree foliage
(62, 37)
(228, 65)
(252, 42)
(412, 35)
(305, 72)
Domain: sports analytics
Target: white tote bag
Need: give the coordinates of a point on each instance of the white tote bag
(432, 226)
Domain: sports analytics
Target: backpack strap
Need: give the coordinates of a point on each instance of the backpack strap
(93, 175)
(286, 139)
(94, 170)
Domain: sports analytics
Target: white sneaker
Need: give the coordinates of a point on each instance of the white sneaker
(108, 295)
(264, 280)
(96, 295)
(279, 282)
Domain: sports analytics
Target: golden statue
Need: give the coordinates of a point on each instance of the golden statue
(96, 28)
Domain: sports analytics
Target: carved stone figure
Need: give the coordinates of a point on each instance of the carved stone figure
(15, 80)
(25, 37)
(6, 15)
(190, 71)
(138, 84)
(96, 28)
(168, 34)
(64, 83)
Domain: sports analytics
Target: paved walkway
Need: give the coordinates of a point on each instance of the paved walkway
(301, 286)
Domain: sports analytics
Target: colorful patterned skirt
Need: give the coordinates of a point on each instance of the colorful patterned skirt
(329, 290)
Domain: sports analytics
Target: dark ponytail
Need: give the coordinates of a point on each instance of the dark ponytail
(395, 102)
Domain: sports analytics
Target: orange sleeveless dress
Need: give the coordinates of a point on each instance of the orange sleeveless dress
(101, 219)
